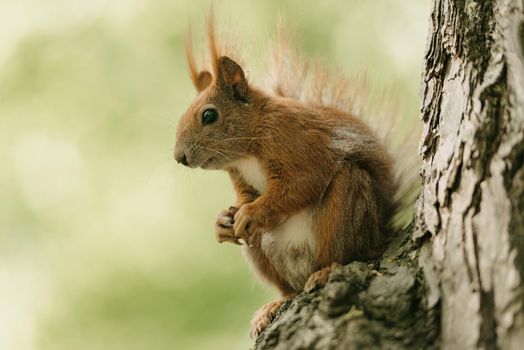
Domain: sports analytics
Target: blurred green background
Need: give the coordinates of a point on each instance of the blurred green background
(104, 242)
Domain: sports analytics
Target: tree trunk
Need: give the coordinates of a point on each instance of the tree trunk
(455, 278)
(472, 201)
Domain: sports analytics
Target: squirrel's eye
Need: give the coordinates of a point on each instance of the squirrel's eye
(209, 116)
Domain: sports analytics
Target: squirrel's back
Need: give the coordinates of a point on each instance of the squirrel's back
(292, 75)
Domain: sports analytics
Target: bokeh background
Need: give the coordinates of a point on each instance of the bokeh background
(104, 242)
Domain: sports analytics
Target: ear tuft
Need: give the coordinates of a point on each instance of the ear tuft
(231, 76)
(201, 79)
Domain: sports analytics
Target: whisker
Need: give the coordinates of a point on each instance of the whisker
(217, 151)
(221, 152)
(247, 138)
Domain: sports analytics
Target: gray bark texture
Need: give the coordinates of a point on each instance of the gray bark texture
(455, 278)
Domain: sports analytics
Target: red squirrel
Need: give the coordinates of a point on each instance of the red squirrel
(315, 186)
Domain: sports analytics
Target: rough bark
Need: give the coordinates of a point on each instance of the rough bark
(364, 305)
(472, 147)
(455, 278)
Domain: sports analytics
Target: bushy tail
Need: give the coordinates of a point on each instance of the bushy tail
(309, 80)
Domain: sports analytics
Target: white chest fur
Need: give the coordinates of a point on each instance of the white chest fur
(252, 172)
(291, 246)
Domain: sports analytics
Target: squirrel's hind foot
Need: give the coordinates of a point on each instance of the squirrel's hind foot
(319, 279)
(265, 315)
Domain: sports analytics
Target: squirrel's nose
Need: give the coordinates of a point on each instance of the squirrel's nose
(181, 158)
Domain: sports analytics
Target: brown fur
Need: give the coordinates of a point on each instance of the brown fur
(315, 154)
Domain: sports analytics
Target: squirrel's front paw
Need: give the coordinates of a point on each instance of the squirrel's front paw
(248, 222)
(224, 226)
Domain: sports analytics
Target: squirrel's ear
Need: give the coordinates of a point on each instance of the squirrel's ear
(203, 80)
(231, 76)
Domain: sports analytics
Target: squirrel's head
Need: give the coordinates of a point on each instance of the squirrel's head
(215, 129)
